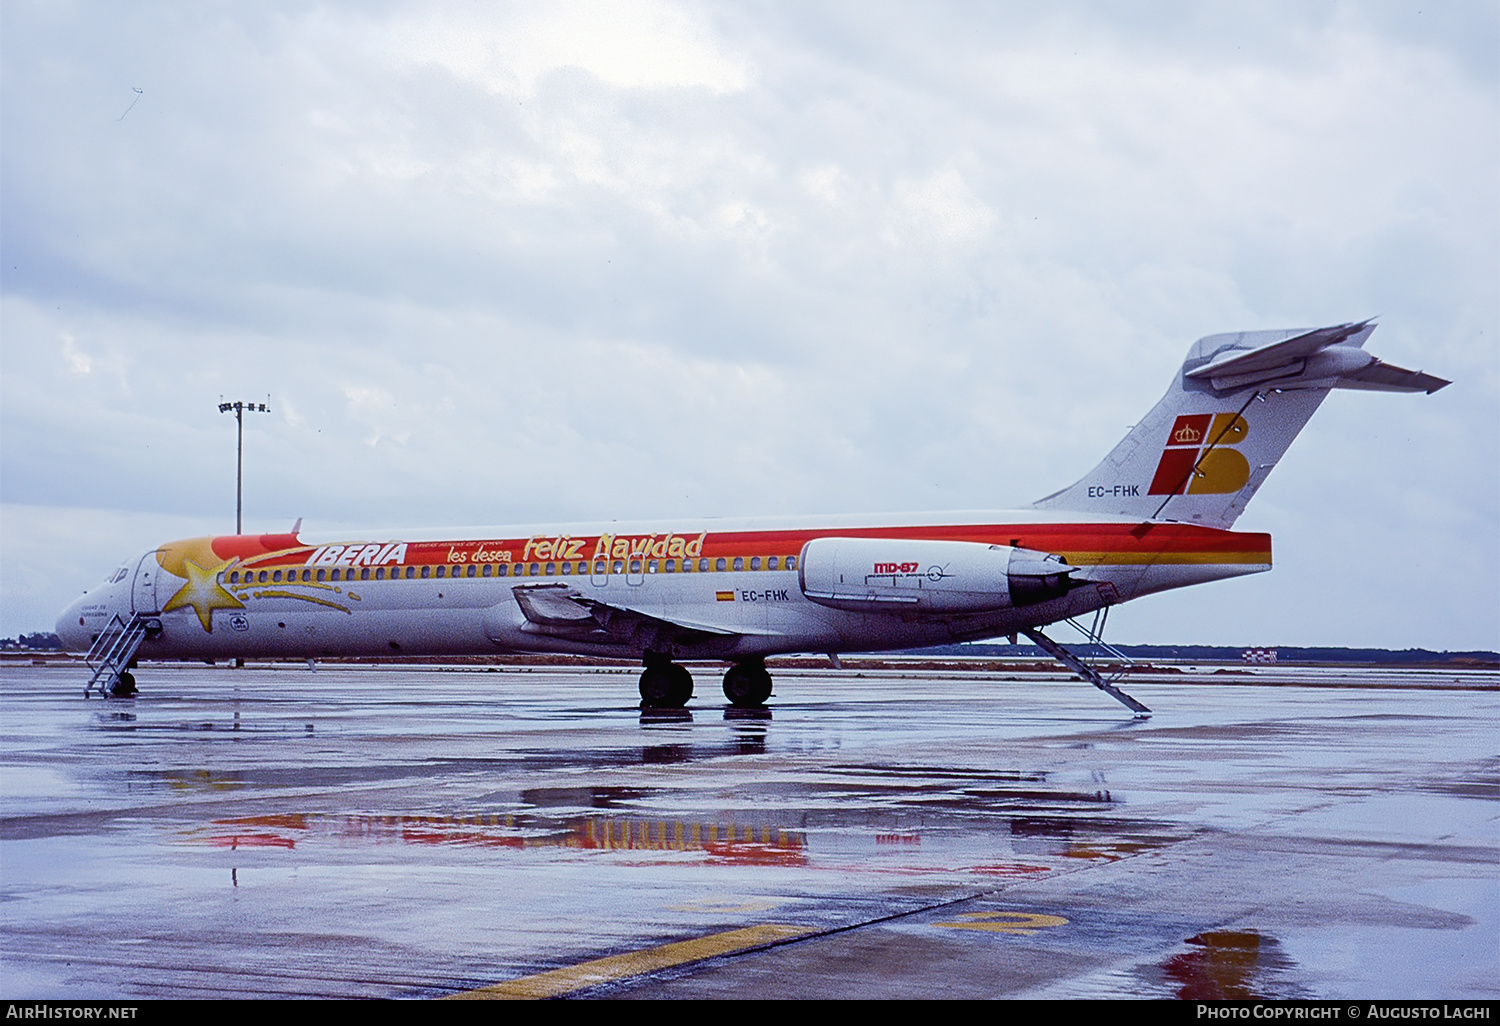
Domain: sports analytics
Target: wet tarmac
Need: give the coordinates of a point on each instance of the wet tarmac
(526, 831)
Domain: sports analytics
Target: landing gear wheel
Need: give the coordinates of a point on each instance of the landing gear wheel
(124, 686)
(747, 685)
(682, 685)
(665, 685)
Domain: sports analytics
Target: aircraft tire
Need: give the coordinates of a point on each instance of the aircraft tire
(124, 686)
(665, 686)
(747, 685)
(682, 685)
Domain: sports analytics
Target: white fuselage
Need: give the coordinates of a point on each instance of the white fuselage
(715, 589)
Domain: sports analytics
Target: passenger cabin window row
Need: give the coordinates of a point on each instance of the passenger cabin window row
(600, 568)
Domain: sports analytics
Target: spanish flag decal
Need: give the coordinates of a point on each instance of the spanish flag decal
(724, 596)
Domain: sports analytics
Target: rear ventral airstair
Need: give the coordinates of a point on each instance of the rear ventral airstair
(113, 652)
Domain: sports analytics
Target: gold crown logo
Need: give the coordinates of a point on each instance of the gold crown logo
(1186, 434)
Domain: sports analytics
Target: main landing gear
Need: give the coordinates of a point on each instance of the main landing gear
(664, 684)
(747, 685)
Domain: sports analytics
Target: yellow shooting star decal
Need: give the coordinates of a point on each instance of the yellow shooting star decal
(204, 593)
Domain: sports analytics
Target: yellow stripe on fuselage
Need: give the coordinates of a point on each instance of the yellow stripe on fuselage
(1156, 558)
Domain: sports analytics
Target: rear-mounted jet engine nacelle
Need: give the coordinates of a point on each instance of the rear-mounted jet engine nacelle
(880, 575)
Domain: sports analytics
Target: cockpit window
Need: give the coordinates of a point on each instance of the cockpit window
(119, 575)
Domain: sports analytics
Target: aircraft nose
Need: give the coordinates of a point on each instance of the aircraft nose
(70, 630)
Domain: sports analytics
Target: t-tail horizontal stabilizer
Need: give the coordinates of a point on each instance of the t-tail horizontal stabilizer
(1228, 416)
(1325, 357)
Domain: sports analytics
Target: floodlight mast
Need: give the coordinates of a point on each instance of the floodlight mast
(239, 459)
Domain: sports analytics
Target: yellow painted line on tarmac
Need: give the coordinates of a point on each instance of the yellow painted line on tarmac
(1023, 923)
(557, 982)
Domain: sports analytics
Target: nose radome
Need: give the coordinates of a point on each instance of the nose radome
(70, 631)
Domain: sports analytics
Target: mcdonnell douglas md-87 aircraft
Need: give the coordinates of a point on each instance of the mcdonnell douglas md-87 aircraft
(1155, 514)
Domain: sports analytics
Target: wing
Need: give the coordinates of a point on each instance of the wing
(560, 610)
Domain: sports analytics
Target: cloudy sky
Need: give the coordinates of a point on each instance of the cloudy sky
(520, 263)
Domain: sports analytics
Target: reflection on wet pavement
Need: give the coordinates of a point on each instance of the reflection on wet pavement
(1228, 965)
(400, 832)
(731, 842)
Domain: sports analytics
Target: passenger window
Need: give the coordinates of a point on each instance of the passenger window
(635, 566)
(427, 572)
(263, 576)
(234, 578)
(364, 574)
(535, 570)
(551, 569)
(276, 576)
(503, 569)
(322, 575)
(671, 566)
(307, 575)
(411, 572)
(487, 570)
(380, 573)
(754, 562)
(791, 562)
(471, 571)
(600, 567)
(650, 566)
(703, 563)
(619, 567)
(771, 563)
(739, 562)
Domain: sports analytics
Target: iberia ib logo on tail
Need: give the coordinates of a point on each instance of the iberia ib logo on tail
(1200, 458)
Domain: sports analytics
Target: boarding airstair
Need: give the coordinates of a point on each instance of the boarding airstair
(113, 651)
(1094, 635)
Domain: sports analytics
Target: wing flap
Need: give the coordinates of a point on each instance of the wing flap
(561, 610)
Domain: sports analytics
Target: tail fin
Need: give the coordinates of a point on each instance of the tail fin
(1227, 418)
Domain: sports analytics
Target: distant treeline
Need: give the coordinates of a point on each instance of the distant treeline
(1226, 653)
(1143, 653)
(34, 641)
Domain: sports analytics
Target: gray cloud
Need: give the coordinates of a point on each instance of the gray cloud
(520, 263)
